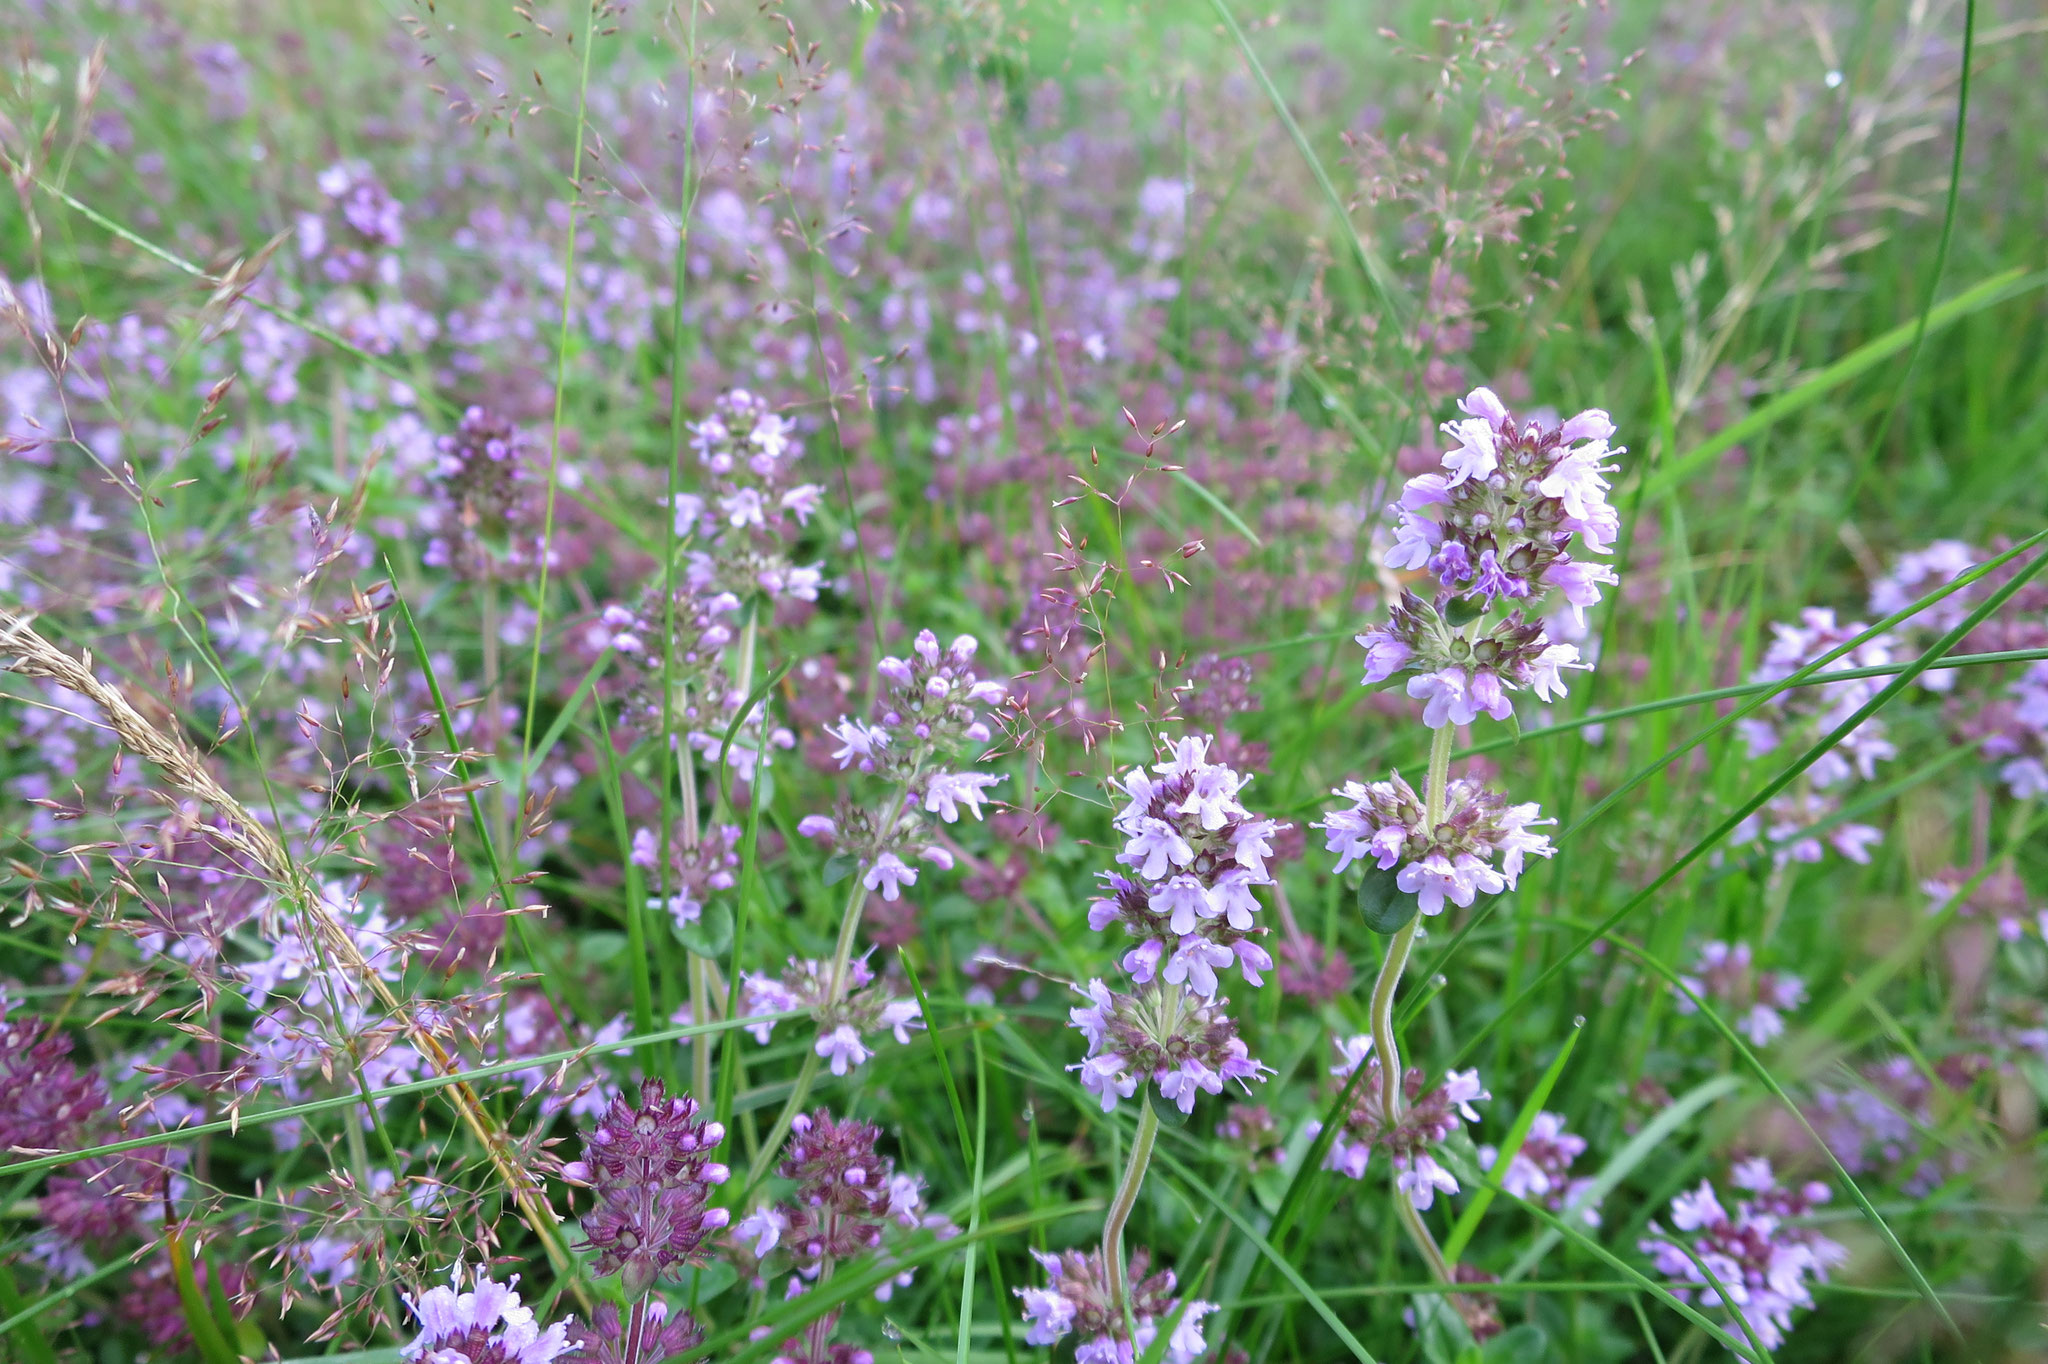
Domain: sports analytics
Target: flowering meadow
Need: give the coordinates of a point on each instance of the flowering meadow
(1023, 680)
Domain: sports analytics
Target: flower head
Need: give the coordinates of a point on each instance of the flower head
(485, 1325)
(651, 1169)
(1077, 1298)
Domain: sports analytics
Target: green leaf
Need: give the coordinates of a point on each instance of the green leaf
(1524, 1344)
(839, 866)
(1385, 907)
(711, 934)
(702, 1283)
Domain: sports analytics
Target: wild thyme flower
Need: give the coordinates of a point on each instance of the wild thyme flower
(1495, 528)
(1161, 1034)
(357, 244)
(1077, 1298)
(485, 1325)
(842, 1024)
(651, 1169)
(1801, 716)
(926, 712)
(485, 523)
(610, 1337)
(1426, 1119)
(1761, 1259)
(1757, 999)
(1541, 1169)
(2000, 896)
(752, 508)
(49, 1100)
(848, 1202)
(694, 873)
(1195, 854)
(2017, 731)
(1251, 1129)
(1478, 847)
(679, 645)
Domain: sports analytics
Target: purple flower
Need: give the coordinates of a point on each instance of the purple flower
(1425, 1120)
(1759, 1255)
(1388, 825)
(842, 1023)
(1161, 1033)
(651, 1169)
(485, 1325)
(1077, 1299)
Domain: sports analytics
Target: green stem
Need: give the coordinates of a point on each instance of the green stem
(1126, 1199)
(1388, 986)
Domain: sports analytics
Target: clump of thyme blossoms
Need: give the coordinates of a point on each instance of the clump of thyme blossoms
(1498, 529)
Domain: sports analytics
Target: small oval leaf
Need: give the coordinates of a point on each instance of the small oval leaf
(1386, 907)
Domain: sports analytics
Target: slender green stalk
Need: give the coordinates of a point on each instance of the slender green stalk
(1388, 986)
(1126, 1199)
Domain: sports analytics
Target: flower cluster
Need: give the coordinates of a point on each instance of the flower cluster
(1077, 1298)
(1426, 1119)
(1802, 715)
(612, 1338)
(485, 521)
(842, 1022)
(1541, 1169)
(752, 508)
(1758, 999)
(1195, 854)
(50, 1100)
(926, 712)
(1495, 527)
(358, 244)
(2000, 896)
(846, 1199)
(693, 872)
(670, 652)
(1454, 859)
(1888, 1119)
(2018, 735)
(651, 1170)
(487, 1324)
(1760, 1258)
(1164, 1034)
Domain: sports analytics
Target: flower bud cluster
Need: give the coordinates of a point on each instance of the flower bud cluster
(486, 519)
(651, 1169)
(752, 508)
(610, 1337)
(1757, 999)
(1195, 854)
(1426, 1119)
(926, 708)
(1163, 1034)
(1759, 1257)
(1388, 824)
(1496, 526)
(1077, 1298)
(679, 646)
(842, 1023)
(693, 873)
(847, 1198)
